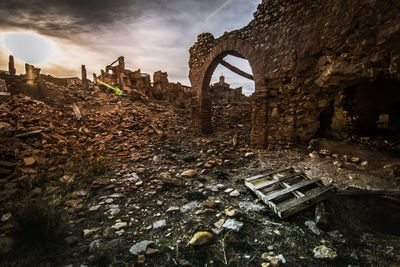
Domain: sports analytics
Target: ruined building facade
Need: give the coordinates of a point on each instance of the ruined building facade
(318, 66)
(119, 76)
(127, 80)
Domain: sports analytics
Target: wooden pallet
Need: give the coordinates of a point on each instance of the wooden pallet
(287, 192)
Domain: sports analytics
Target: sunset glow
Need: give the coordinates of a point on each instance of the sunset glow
(28, 47)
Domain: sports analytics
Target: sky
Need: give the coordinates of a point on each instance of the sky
(152, 35)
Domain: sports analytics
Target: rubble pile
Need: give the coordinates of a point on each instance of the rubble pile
(139, 186)
(36, 134)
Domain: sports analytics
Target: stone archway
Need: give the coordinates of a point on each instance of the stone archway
(200, 77)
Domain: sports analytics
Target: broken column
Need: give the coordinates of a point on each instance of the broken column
(85, 81)
(31, 73)
(102, 76)
(11, 68)
(121, 62)
(119, 71)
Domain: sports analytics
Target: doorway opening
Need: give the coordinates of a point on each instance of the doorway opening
(231, 95)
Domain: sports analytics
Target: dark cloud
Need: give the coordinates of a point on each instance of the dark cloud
(58, 17)
(151, 34)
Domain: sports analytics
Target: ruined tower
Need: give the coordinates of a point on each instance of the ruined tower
(85, 81)
(11, 68)
(32, 73)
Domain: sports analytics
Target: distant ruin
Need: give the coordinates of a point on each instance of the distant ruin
(115, 74)
(32, 73)
(161, 89)
(316, 67)
(222, 92)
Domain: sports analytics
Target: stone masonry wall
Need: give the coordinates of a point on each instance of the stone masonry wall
(311, 51)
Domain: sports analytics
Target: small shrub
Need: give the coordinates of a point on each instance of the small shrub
(170, 157)
(36, 180)
(190, 158)
(101, 259)
(86, 168)
(175, 149)
(220, 175)
(38, 224)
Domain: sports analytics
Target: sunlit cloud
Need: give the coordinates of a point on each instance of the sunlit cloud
(28, 47)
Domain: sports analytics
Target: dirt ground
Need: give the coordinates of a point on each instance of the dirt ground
(129, 172)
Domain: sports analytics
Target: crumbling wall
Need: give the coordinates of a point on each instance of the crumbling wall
(311, 51)
(127, 80)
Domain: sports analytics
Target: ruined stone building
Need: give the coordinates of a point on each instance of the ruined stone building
(36, 85)
(318, 67)
(119, 76)
(222, 92)
(161, 88)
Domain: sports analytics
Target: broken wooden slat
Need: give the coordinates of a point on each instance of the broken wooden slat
(295, 193)
(261, 196)
(76, 111)
(287, 192)
(313, 196)
(268, 174)
(281, 179)
(27, 134)
(291, 189)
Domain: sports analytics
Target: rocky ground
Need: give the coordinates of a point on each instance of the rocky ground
(130, 184)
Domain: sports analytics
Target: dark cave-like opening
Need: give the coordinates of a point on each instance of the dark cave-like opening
(376, 107)
(367, 112)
